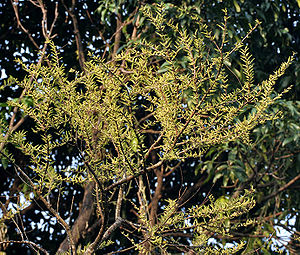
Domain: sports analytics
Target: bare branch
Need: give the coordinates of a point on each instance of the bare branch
(284, 187)
(130, 177)
(20, 25)
(25, 242)
(27, 180)
(112, 228)
(118, 35)
(78, 39)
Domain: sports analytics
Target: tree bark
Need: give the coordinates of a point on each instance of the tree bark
(81, 223)
(118, 34)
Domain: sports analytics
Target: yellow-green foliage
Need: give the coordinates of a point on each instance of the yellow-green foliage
(200, 221)
(191, 108)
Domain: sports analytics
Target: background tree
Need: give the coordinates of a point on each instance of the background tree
(272, 169)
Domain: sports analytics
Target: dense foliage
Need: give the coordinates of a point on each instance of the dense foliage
(168, 108)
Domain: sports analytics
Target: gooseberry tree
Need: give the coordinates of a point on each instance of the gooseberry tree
(130, 125)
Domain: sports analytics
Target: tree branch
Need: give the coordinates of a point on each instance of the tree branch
(93, 246)
(47, 35)
(157, 195)
(78, 39)
(81, 223)
(118, 34)
(130, 177)
(282, 188)
(191, 191)
(25, 242)
(112, 228)
(30, 183)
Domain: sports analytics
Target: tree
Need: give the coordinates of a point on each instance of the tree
(188, 97)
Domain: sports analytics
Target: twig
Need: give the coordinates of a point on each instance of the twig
(26, 242)
(20, 25)
(78, 39)
(173, 169)
(282, 188)
(47, 35)
(130, 177)
(46, 203)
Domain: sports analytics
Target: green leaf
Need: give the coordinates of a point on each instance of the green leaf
(240, 173)
(232, 155)
(222, 167)
(134, 144)
(269, 227)
(4, 162)
(198, 168)
(217, 176)
(222, 200)
(287, 140)
(211, 151)
(27, 101)
(225, 181)
(236, 5)
(227, 225)
(217, 34)
(25, 188)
